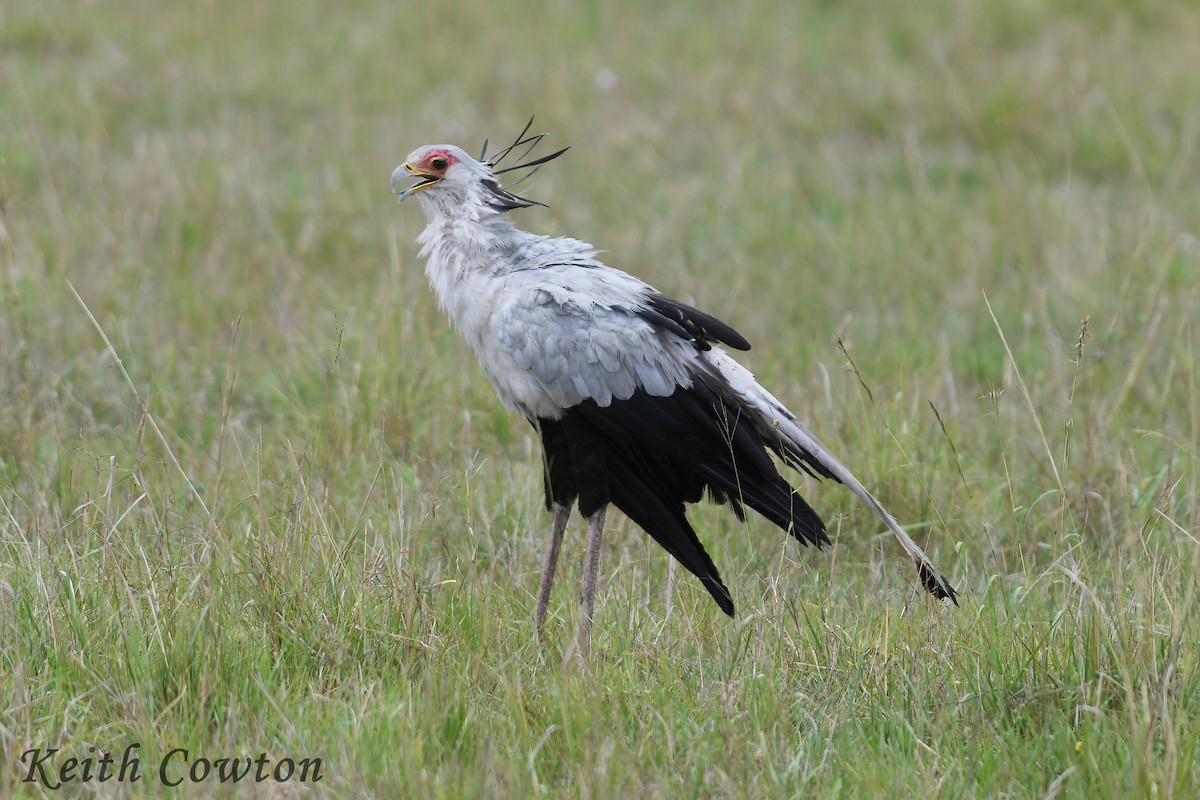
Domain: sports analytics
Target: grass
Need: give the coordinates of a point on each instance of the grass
(255, 497)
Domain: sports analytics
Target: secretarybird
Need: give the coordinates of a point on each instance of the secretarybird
(635, 401)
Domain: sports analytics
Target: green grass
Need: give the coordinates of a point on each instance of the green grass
(304, 526)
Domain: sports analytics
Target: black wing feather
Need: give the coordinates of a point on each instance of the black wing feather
(691, 323)
(702, 437)
(651, 455)
(649, 489)
(641, 496)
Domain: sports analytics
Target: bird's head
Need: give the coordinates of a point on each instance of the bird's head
(448, 179)
(443, 168)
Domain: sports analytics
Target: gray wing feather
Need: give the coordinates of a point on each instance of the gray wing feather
(583, 337)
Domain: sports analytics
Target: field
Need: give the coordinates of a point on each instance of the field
(257, 499)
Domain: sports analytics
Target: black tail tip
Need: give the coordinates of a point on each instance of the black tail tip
(719, 593)
(936, 585)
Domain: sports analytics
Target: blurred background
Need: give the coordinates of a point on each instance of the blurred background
(211, 179)
(807, 171)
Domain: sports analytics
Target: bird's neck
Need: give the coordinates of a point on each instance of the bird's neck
(461, 249)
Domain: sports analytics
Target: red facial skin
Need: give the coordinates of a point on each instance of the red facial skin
(436, 162)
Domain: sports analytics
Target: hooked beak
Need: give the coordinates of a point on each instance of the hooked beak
(406, 170)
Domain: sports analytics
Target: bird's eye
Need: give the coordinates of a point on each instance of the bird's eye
(438, 163)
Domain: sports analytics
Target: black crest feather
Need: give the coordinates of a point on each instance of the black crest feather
(504, 199)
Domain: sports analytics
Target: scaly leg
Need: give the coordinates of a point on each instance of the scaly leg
(561, 515)
(591, 567)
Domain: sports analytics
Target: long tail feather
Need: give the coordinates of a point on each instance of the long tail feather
(795, 439)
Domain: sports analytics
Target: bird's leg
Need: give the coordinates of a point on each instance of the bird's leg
(561, 515)
(591, 568)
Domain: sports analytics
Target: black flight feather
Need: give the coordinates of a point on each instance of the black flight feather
(704, 437)
(647, 488)
(660, 453)
(699, 326)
